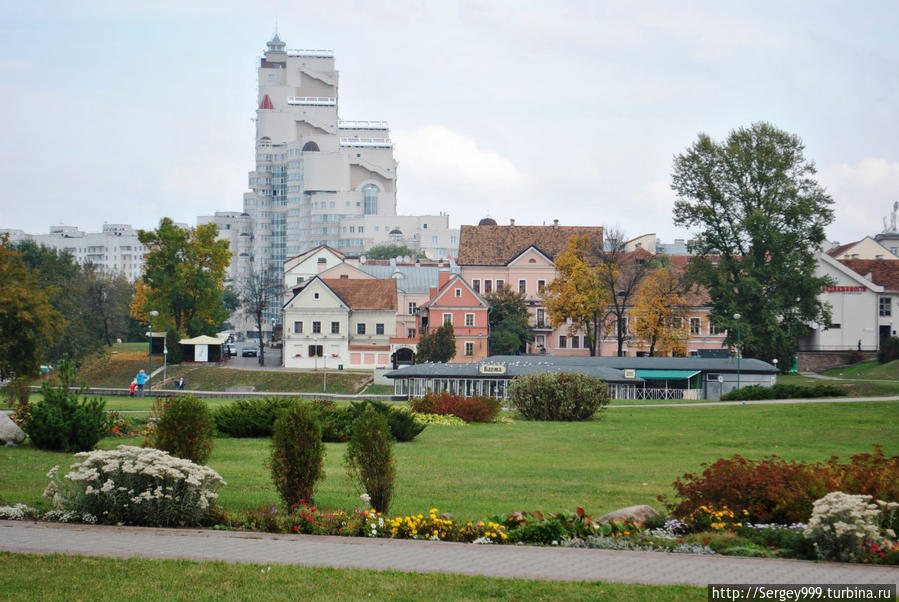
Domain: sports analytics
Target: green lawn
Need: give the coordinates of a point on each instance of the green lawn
(479, 470)
(55, 577)
(871, 369)
(853, 388)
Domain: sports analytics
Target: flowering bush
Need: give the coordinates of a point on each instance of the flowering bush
(438, 419)
(434, 526)
(654, 544)
(547, 527)
(469, 409)
(18, 512)
(841, 524)
(136, 486)
(705, 518)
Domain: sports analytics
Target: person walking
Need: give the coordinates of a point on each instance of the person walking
(180, 384)
(141, 380)
(133, 387)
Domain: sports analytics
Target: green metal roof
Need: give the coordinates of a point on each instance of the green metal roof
(667, 374)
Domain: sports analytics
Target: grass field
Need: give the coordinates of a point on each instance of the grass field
(54, 577)
(480, 470)
(853, 387)
(871, 369)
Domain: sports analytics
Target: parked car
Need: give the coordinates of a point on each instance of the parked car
(230, 350)
(249, 351)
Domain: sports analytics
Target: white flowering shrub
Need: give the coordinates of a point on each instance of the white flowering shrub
(842, 523)
(135, 486)
(18, 512)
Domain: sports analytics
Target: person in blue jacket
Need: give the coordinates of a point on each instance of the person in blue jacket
(141, 379)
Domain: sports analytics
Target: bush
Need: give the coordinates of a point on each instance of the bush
(781, 391)
(174, 355)
(773, 490)
(17, 391)
(403, 426)
(889, 349)
(841, 524)
(136, 486)
(249, 417)
(470, 409)
(60, 422)
(369, 458)
(183, 427)
(558, 396)
(856, 356)
(298, 454)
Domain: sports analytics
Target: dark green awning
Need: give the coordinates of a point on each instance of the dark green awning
(667, 374)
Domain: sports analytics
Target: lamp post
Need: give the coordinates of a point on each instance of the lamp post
(165, 361)
(153, 314)
(739, 351)
(273, 332)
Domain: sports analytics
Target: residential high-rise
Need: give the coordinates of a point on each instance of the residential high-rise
(319, 179)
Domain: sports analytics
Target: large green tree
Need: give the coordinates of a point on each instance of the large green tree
(183, 278)
(29, 324)
(389, 251)
(507, 317)
(758, 217)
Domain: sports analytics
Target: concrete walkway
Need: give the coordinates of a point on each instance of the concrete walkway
(426, 557)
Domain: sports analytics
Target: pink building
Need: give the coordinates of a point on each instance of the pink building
(457, 303)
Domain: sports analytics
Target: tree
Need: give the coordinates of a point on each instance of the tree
(660, 313)
(507, 317)
(755, 205)
(388, 251)
(260, 291)
(29, 324)
(183, 277)
(438, 346)
(576, 294)
(107, 299)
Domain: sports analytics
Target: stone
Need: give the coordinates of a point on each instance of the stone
(637, 514)
(10, 433)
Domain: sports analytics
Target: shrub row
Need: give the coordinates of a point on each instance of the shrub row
(256, 418)
(781, 391)
(478, 408)
(773, 490)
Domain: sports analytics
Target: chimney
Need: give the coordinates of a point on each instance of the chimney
(555, 224)
(512, 222)
(443, 276)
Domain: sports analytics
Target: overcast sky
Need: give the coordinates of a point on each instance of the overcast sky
(128, 111)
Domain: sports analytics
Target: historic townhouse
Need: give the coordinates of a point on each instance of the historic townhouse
(456, 302)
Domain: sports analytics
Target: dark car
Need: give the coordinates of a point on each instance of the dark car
(249, 351)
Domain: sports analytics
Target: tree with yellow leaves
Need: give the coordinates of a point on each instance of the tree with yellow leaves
(576, 294)
(660, 313)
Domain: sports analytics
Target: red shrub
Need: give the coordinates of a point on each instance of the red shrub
(469, 409)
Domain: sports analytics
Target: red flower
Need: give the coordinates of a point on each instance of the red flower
(296, 528)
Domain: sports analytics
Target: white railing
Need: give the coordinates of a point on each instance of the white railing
(362, 125)
(369, 142)
(316, 54)
(632, 392)
(322, 101)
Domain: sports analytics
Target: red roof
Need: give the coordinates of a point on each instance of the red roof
(266, 103)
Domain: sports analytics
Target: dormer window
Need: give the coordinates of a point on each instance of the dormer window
(458, 292)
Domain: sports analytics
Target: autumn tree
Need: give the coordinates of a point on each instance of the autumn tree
(659, 313)
(753, 203)
(507, 317)
(438, 346)
(107, 299)
(183, 277)
(260, 291)
(29, 324)
(577, 295)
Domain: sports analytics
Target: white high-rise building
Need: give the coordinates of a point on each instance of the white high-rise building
(115, 250)
(319, 179)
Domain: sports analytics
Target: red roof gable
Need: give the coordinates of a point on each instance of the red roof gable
(266, 103)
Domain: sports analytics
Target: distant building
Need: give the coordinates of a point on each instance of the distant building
(116, 249)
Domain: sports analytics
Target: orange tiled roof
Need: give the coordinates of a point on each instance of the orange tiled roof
(498, 245)
(363, 293)
(837, 251)
(884, 272)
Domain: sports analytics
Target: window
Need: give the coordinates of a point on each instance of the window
(316, 351)
(361, 229)
(886, 306)
(360, 328)
(411, 334)
(575, 342)
(379, 329)
(469, 319)
(476, 285)
(469, 348)
(335, 327)
(298, 327)
(434, 240)
(488, 286)
(315, 295)
(316, 327)
(500, 284)
(458, 292)
(522, 286)
(563, 341)
(541, 317)
(447, 318)
(299, 279)
(695, 326)
(370, 198)
(412, 307)
(540, 285)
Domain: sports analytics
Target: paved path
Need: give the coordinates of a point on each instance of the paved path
(424, 557)
(757, 402)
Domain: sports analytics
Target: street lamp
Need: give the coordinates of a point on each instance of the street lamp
(739, 351)
(273, 332)
(153, 314)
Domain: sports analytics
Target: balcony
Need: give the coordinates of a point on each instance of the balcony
(356, 141)
(362, 125)
(312, 54)
(318, 101)
(542, 326)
